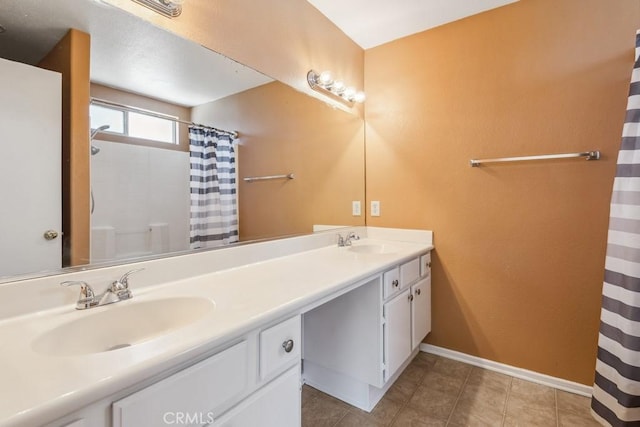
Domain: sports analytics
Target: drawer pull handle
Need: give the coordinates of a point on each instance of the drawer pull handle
(395, 283)
(410, 297)
(418, 291)
(288, 346)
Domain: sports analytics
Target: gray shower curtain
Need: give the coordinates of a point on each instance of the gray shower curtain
(214, 214)
(616, 392)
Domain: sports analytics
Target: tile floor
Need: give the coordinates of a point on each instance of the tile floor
(434, 391)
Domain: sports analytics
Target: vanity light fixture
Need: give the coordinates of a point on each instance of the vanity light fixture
(168, 8)
(335, 89)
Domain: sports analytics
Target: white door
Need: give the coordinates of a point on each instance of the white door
(397, 336)
(30, 149)
(421, 311)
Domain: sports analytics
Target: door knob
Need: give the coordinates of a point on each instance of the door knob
(50, 234)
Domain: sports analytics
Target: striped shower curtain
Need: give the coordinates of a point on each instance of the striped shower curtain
(616, 392)
(214, 214)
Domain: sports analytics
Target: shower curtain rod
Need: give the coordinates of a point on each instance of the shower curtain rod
(104, 102)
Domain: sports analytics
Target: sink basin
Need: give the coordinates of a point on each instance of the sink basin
(118, 326)
(373, 248)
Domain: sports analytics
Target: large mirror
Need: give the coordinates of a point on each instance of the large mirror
(147, 85)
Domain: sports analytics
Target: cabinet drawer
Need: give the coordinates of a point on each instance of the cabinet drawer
(279, 346)
(409, 272)
(425, 264)
(391, 282)
(275, 405)
(201, 391)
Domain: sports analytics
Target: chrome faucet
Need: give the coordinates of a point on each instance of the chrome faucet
(117, 291)
(346, 241)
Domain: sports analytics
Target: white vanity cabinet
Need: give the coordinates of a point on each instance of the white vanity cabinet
(356, 345)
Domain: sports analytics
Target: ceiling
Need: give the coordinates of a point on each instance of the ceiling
(374, 22)
(131, 54)
(126, 52)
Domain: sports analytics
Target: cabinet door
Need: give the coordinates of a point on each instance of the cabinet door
(397, 337)
(275, 405)
(421, 311)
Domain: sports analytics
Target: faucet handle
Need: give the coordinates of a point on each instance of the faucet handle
(125, 277)
(340, 240)
(120, 287)
(87, 296)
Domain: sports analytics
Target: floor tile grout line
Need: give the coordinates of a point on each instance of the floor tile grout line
(405, 404)
(506, 401)
(341, 418)
(464, 384)
(555, 400)
(402, 408)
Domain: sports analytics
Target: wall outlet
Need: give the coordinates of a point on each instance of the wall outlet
(355, 208)
(375, 208)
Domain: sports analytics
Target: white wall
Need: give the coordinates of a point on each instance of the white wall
(141, 201)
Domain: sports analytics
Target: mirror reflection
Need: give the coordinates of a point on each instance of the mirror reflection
(148, 181)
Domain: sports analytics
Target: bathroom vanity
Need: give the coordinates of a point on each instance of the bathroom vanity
(229, 347)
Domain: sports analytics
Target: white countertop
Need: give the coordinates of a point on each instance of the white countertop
(38, 388)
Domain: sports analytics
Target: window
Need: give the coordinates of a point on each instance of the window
(136, 124)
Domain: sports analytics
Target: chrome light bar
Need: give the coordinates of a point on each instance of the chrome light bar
(168, 8)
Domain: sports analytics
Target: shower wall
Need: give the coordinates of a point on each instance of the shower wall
(141, 201)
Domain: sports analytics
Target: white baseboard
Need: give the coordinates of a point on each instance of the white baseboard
(559, 383)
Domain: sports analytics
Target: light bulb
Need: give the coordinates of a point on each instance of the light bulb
(360, 97)
(338, 87)
(349, 93)
(325, 79)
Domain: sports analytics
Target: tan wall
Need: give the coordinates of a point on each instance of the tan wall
(280, 38)
(519, 248)
(284, 131)
(71, 58)
(130, 99)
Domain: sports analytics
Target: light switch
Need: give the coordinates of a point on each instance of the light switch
(355, 208)
(375, 208)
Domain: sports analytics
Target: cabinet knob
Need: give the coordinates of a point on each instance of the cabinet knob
(428, 265)
(395, 283)
(288, 346)
(418, 291)
(410, 297)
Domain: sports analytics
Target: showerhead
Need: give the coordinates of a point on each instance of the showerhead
(95, 150)
(94, 132)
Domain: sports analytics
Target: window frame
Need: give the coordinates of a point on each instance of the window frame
(126, 110)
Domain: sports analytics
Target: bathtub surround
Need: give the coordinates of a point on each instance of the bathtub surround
(141, 201)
